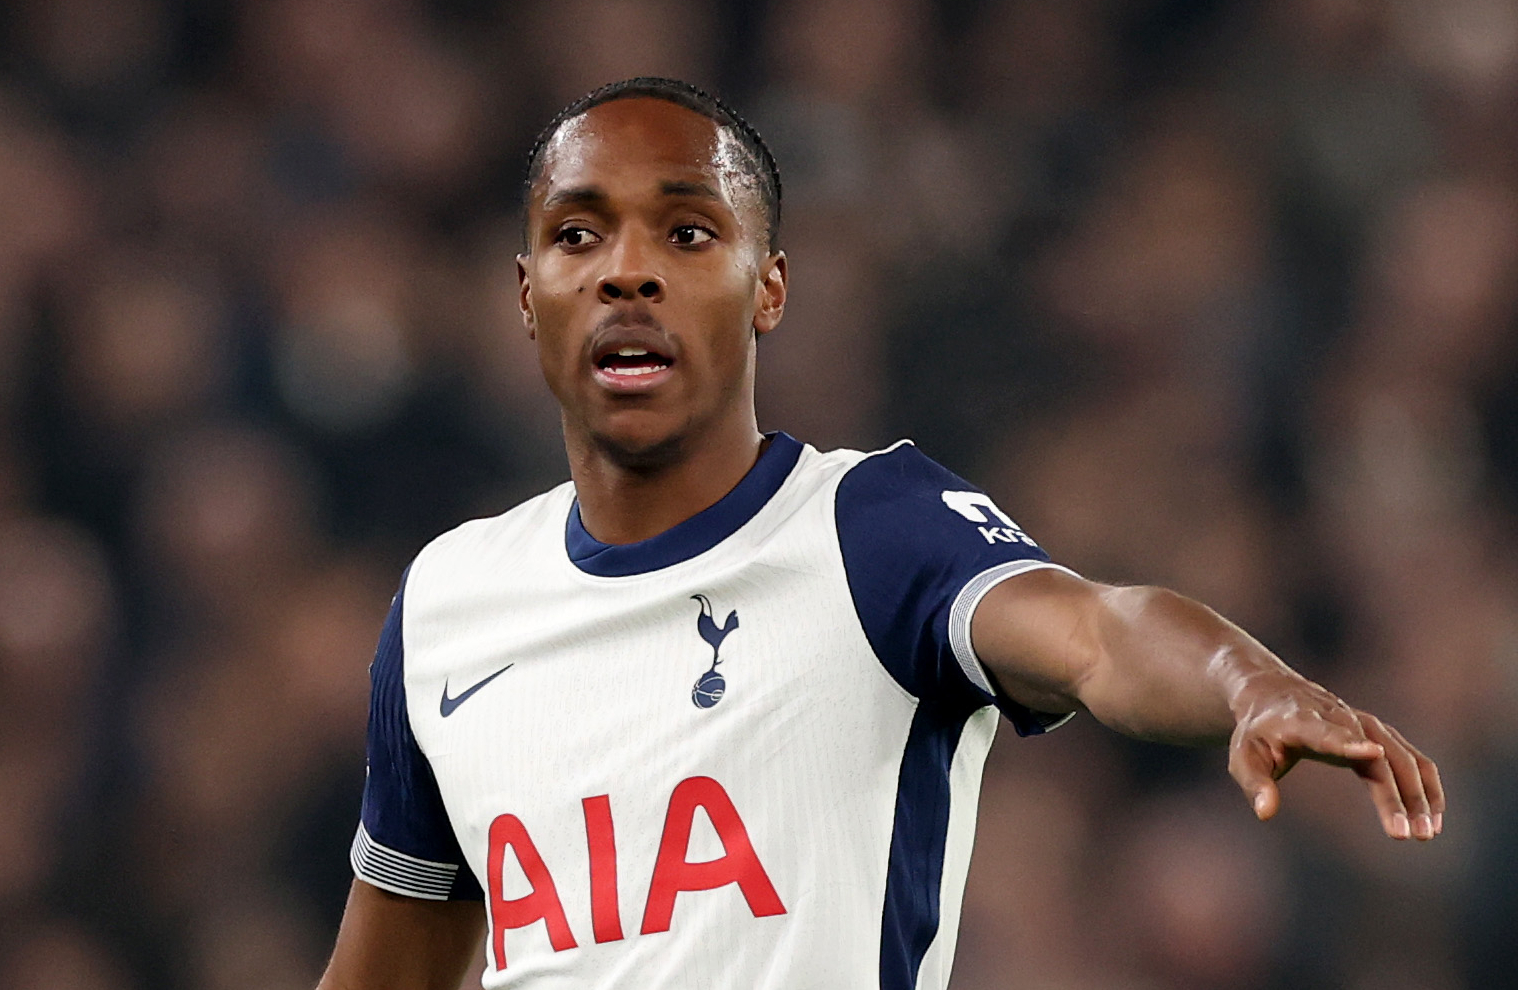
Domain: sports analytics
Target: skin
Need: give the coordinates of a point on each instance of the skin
(645, 228)
(644, 220)
(1155, 665)
(390, 942)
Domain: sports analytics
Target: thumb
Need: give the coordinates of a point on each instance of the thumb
(1253, 769)
(1266, 800)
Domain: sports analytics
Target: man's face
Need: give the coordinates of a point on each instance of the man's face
(647, 276)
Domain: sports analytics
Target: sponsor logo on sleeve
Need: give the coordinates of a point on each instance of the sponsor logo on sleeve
(978, 508)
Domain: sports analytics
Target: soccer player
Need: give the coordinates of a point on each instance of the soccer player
(713, 714)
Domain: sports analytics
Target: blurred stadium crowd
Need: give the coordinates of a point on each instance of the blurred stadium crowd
(1217, 295)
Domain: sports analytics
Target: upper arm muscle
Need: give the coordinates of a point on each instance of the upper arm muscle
(1037, 635)
(390, 942)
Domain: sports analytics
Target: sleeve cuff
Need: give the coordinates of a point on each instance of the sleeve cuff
(395, 871)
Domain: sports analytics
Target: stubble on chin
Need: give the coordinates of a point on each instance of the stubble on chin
(640, 456)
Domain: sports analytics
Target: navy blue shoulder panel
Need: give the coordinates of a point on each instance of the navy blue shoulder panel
(913, 534)
(403, 809)
(695, 535)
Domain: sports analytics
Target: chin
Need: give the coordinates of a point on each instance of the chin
(640, 450)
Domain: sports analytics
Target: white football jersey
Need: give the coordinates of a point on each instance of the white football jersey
(744, 754)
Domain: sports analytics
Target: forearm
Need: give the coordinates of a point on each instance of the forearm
(1156, 665)
(1162, 666)
(1145, 661)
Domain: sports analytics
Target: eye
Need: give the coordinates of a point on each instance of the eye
(689, 235)
(575, 237)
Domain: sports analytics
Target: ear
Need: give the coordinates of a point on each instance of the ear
(771, 293)
(524, 297)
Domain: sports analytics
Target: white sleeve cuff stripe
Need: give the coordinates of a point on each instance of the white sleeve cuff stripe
(401, 887)
(373, 870)
(395, 871)
(379, 861)
(964, 607)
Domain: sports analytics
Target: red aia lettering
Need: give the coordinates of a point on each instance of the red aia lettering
(605, 910)
(542, 904)
(672, 873)
(738, 864)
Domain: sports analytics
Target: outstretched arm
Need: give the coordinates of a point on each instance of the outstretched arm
(390, 942)
(1153, 664)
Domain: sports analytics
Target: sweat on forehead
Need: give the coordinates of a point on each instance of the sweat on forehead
(665, 110)
(671, 138)
(634, 127)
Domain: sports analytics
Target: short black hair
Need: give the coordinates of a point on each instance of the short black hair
(757, 158)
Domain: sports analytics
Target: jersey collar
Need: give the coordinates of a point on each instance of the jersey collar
(695, 535)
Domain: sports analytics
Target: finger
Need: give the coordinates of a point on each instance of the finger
(1330, 741)
(1433, 787)
(1406, 778)
(1384, 794)
(1255, 768)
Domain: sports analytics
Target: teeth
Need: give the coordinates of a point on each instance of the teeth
(631, 352)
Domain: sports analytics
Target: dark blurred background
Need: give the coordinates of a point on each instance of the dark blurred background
(1217, 295)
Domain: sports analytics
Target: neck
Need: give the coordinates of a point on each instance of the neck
(625, 499)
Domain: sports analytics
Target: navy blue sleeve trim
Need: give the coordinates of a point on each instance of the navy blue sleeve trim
(915, 537)
(405, 843)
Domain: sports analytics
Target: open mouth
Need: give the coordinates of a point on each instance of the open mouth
(633, 362)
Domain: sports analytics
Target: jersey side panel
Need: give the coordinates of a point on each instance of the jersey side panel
(404, 843)
(914, 537)
(964, 784)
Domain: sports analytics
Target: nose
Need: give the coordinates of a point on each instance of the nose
(629, 277)
(632, 284)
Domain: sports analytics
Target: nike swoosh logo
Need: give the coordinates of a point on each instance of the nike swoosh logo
(449, 705)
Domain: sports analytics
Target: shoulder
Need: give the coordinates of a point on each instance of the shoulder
(900, 471)
(921, 546)
(512, 538)
(905, 495)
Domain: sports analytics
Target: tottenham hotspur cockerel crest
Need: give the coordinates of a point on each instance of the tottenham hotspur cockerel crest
(711, 685)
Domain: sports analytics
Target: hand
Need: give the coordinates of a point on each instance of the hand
(1289, 719)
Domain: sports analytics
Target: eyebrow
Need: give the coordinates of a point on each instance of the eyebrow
(592, 195)
(700, 189)
(576, 194)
